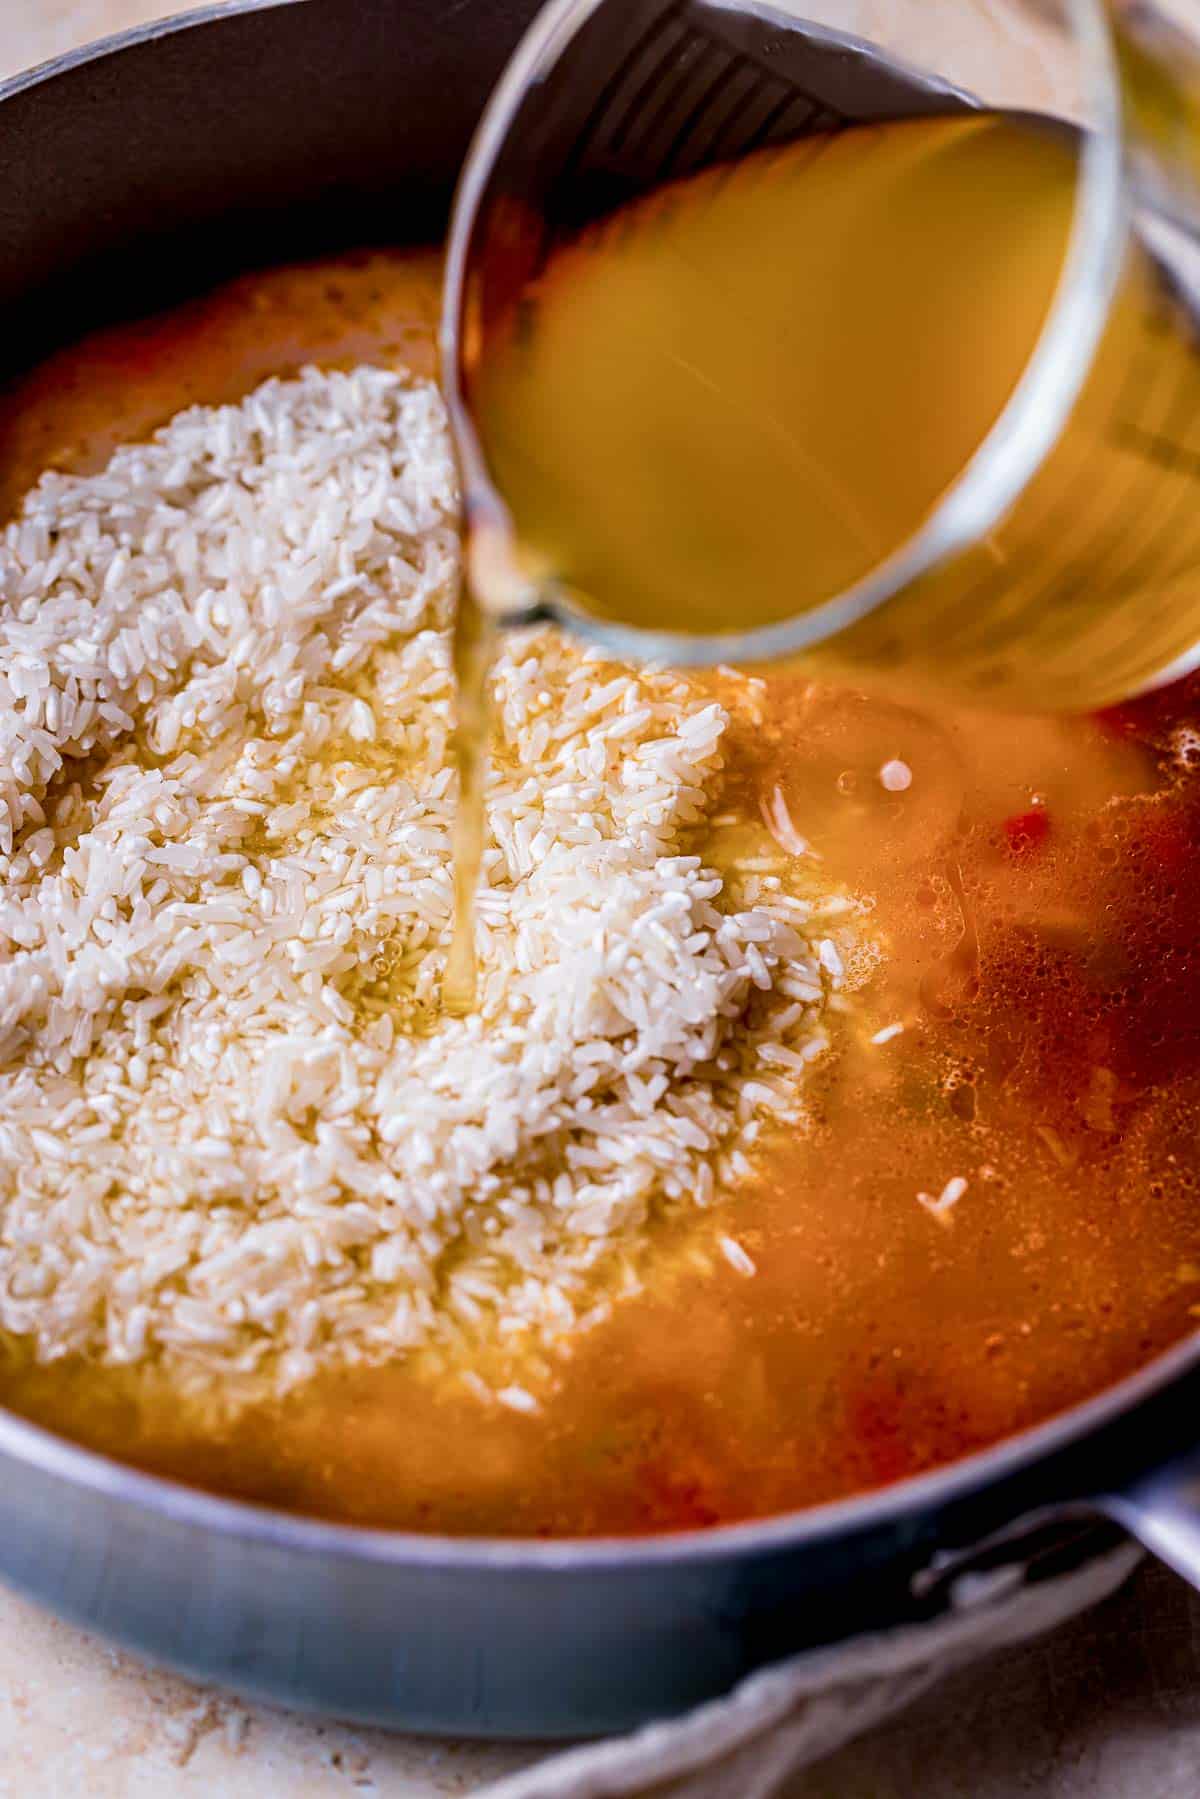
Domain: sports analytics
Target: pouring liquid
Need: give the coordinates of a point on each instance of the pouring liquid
(475, 633)
(728, 403)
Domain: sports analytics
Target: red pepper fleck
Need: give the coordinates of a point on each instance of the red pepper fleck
(1027, 831)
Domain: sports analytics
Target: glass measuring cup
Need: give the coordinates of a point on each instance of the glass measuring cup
(1059, 567)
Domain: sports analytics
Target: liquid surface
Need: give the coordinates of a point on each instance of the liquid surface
(1036, 890)
(730, 403)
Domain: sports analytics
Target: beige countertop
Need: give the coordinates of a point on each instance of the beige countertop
(1109, 1708)
(79, 1720)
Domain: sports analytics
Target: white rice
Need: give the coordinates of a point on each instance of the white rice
(887, 1034)
(947, 1199)
(236, 1132)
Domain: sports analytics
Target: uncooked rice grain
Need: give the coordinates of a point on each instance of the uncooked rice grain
(237, 1134)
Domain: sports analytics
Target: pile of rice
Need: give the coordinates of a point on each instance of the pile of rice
(236, 1131)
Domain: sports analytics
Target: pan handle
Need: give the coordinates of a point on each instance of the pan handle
(1161, 1510)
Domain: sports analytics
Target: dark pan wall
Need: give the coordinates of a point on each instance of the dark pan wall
(134, 179)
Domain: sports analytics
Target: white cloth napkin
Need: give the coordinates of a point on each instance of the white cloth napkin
(789, 1715)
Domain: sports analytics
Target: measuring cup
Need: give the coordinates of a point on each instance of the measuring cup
(1060, 568)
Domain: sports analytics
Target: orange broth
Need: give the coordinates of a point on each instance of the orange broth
(1035, 893)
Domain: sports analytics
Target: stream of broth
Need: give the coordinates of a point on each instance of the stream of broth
(1036, 897)
(476, 637)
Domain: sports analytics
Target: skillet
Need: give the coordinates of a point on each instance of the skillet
(137, 172)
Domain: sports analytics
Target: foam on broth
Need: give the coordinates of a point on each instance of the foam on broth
(1035, 889)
